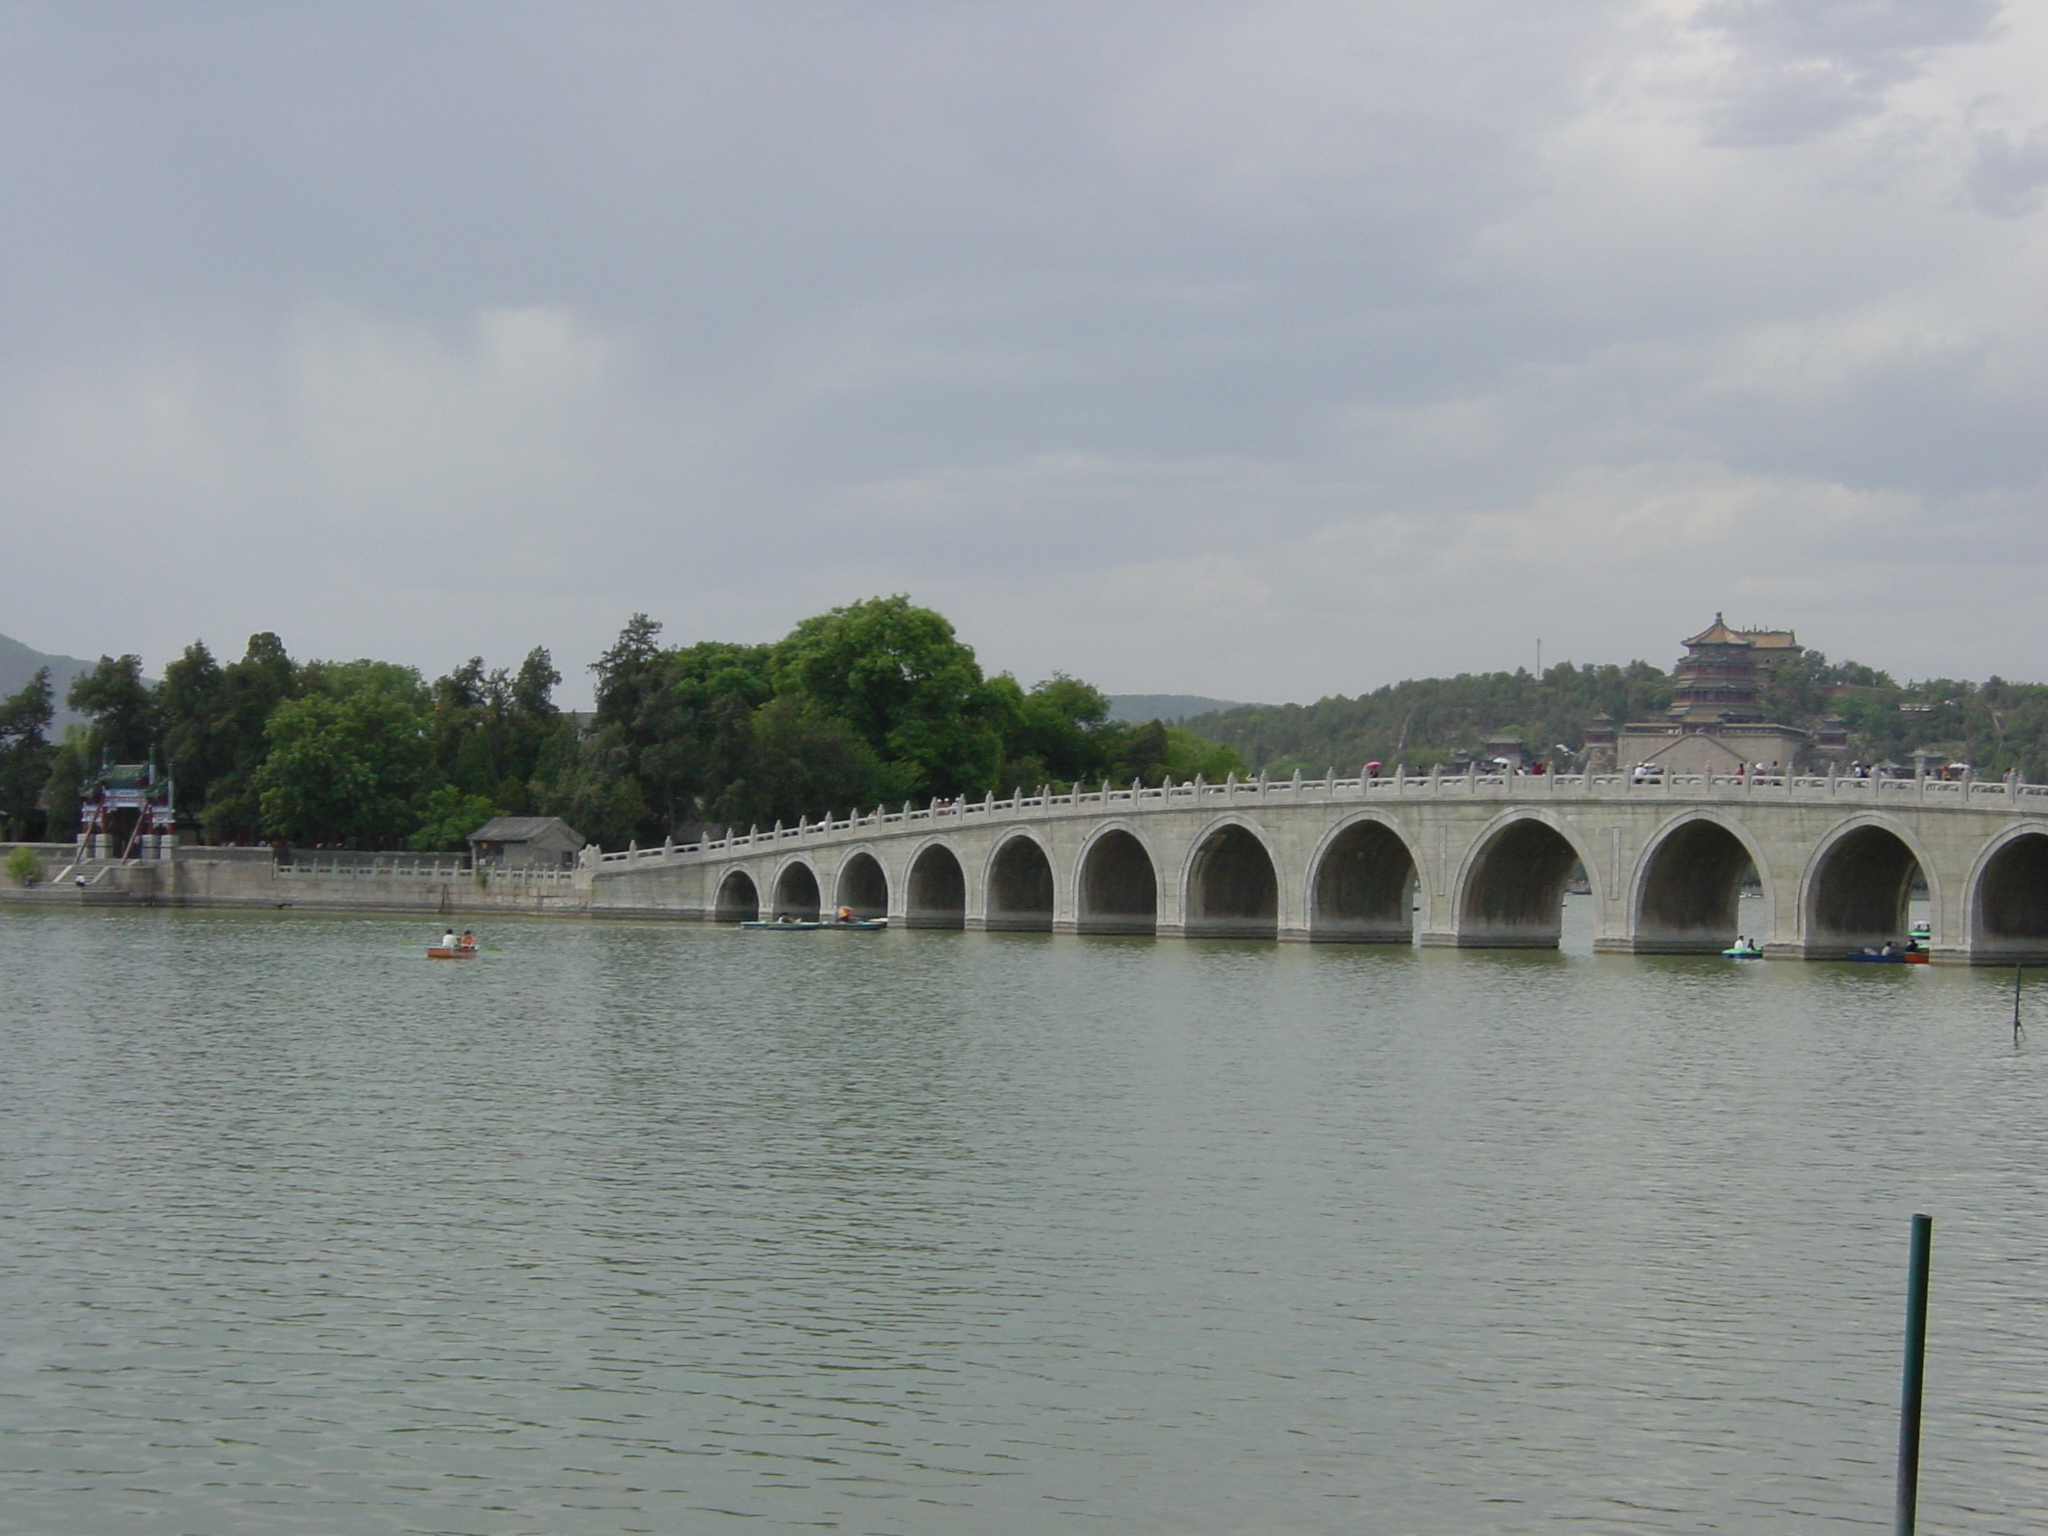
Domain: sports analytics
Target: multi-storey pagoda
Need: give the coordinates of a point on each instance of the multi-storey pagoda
(1716, 721)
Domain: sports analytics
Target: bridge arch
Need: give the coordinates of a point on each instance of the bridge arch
(1231, 883)
(935, 888)
(1362, 883)
(1116, 883)
(739, 899)
(1511, 884)
(1019, 886)
(2006, 900)
(1857, 882)
(797, 891)
(1687, 885)
(862, 887)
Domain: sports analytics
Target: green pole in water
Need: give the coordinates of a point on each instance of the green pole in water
(1916, 1375)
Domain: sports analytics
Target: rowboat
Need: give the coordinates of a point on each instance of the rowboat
(808, 925)
(1897, 957)
(443, 952)
(1742, 952)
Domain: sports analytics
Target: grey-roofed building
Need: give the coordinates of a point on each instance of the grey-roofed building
(526, 842)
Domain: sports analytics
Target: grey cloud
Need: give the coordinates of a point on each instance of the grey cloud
(2006, 174)
(1179, 321)
(1808, 67)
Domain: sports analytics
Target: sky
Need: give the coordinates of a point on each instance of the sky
(1262, 351)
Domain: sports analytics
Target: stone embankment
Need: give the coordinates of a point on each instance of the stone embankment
(253, 878)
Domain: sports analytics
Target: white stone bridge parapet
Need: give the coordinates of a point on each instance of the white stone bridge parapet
(1473, 860)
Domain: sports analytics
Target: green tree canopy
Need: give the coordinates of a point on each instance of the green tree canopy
(251, 691)
(25, 755)
(350, 768)
(118, 700)
(799, 761)
(490, 729)
(907, 685)
(188, 706)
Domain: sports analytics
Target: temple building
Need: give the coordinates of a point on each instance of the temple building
(126, 811)
(1716, 721)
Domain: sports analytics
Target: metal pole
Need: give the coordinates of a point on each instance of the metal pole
(1915, 1377)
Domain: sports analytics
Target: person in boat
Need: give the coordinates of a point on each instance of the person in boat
(1889, 948)
(467, 941)
(846, 914)
(1912, 946)
(448, 939)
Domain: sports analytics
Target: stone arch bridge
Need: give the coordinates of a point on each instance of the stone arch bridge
(1470, 860)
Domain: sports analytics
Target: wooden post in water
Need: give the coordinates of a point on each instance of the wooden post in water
(1915, 1375)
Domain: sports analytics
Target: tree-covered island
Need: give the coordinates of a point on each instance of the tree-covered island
(875, 703)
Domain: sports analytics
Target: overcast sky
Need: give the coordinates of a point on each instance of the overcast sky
(1256, 350)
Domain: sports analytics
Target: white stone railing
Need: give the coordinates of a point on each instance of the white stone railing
(421, 868)
(1955, 794)
(356, 866)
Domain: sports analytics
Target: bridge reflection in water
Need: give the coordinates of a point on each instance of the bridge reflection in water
(1470, 860)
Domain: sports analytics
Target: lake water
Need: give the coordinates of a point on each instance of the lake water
(628, 1228)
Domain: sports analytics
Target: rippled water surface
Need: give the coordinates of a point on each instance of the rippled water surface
(675, 1229)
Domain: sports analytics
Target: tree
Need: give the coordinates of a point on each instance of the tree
(25, 755)
(349, 769)
(799, 762)
(1146, 754)
(583, 780)
(118, 700)
(490, 728)
(64, 791)
(702, 721)
(251, 691)
(675, 723)
(1188, 754)
(189, 724)
(1058, 733)
(913, 691)
(626, 672)
(448, 817)
(533, 719)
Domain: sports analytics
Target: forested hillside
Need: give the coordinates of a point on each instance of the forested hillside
(1994, 725)
(1426, 721)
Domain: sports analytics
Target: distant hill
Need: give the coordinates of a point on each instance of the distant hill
(1423, 722)
(1170, 707)
(19, 663)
